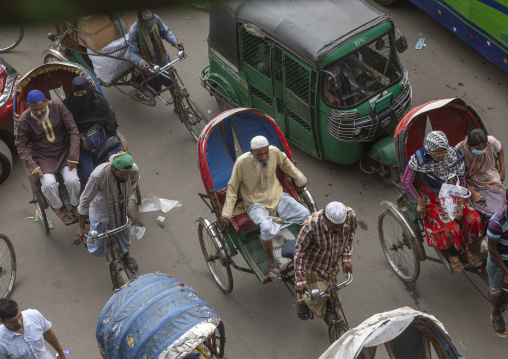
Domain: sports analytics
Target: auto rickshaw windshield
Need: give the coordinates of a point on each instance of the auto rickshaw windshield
(362, 73)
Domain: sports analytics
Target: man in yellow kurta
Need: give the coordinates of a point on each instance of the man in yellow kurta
(262, 195)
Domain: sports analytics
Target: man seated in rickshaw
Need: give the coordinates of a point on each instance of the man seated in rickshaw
(484, 179)
(96, 123)
(428, 169)
(324, 246)
(105, 200)
(48, 143)
(254, 179)
(146, 46)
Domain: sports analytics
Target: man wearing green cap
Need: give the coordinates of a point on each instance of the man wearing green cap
(105, 200)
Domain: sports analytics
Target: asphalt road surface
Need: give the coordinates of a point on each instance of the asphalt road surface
(57, 276)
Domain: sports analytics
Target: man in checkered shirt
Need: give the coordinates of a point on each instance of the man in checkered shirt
(324, 245)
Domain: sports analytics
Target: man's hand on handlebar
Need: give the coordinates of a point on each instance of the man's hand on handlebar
(300, 288)
(178, 45)
(224, 222)
(143, 66)
(82, 230)
(347, 267)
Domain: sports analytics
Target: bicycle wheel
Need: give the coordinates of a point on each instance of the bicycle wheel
(142, 96)
(335, 331)
(119, 275)
(7, 266)
(59, 92)
(213, 256)
(10, 37)
(192, 116)
(40, 204)
(398, 246)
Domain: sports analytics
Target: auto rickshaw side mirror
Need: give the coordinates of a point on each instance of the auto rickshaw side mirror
(401, 44)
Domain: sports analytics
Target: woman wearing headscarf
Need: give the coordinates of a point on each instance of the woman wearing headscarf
(96, 123)
(484, 179)
(428, 169)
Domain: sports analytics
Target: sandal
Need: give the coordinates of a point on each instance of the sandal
(471, 258)
(302, 311)
(132, 268)
(455, 263)
(74, 211)
(65, 215)
(274, 269)
(499, 326)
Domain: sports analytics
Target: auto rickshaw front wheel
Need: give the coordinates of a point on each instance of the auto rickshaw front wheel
(5, 161)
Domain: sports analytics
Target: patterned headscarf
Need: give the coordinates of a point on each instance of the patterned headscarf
(451, 164)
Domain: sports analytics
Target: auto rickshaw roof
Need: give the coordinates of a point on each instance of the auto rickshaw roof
(309, 29)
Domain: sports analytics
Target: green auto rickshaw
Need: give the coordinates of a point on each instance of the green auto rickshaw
(327, 71)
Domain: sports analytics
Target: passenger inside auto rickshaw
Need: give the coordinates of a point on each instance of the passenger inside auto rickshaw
(428, 169)
(341, 83)
(484, 177)
(48, 143)
(96, 123)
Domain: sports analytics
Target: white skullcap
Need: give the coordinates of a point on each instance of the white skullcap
(258, 142)
(336, 212)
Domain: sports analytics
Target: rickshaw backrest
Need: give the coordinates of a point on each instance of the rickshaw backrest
(235, 132)
(452, 116)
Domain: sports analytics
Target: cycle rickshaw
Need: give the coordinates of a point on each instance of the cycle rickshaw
(398, 334)
(224, 139)
(400, 226)
(158, 316)
(67, 46)
(55, 81)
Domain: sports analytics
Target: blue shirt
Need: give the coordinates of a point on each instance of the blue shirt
(498, 231)
(133, 41)
(30, 344)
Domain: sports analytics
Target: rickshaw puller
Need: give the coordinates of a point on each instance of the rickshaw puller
(324, 244)
(497, 267)
(145, 45)
(105, 200)
(254, 176)
(48, 142)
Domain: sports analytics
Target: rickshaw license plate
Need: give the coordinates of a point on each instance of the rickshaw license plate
(383, 103)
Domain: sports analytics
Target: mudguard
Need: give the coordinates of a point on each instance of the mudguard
(383, 151)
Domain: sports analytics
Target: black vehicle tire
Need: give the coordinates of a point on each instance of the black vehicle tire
(5, 161)
(192, 116)
(391, 175)
(334, 332)
(7, 266)
(10, 40)
(386, 2)
(221, 273)
(307, 201)
(119, 277)
(40, 205)
(398, 246)
(142, 96)
(223, 106)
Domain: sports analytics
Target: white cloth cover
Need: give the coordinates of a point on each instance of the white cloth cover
(107, 68)
(378, 329)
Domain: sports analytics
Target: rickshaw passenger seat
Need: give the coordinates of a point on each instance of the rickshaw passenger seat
(242, 222)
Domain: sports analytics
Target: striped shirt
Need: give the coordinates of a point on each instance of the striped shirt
(320, 250)
(498, 231)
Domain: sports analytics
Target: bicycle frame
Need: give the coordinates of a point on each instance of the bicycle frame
(110, 235)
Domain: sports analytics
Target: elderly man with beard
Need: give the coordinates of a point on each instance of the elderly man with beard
(105, 200)
(48, 143)
(254, 178)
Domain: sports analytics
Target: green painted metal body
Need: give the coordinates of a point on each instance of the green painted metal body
(277, 82)
(249, 245)
(384, 151)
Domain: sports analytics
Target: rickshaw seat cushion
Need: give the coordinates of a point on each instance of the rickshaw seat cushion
(288, 249)
(242, 222)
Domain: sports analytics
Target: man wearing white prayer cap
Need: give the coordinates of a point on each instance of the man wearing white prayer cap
(262, 196)
(325, 244)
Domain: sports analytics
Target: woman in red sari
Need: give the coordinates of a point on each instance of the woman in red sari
(428, 169)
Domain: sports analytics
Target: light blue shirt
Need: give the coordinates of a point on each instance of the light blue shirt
(133, 41)
(30, 344)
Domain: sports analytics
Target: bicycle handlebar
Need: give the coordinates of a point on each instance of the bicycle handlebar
(94, 236)
(155, 69)
(317, 294)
